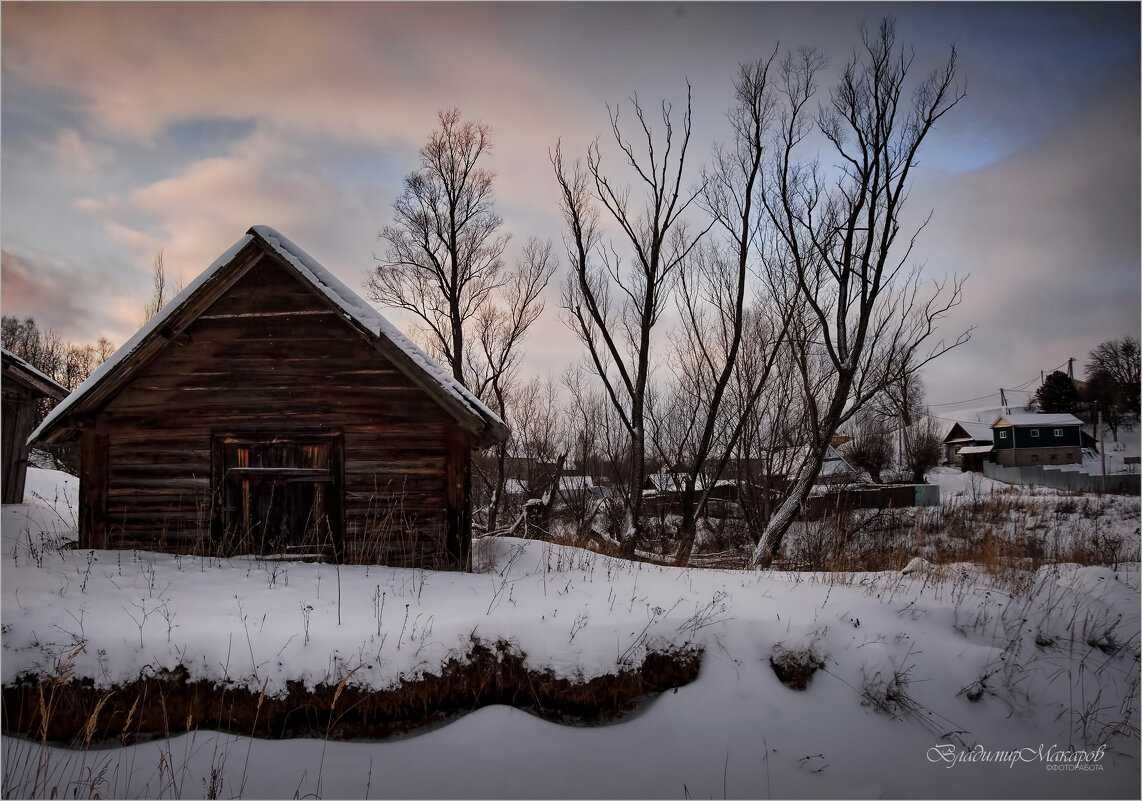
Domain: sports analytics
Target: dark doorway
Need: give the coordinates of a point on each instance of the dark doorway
(280, 494)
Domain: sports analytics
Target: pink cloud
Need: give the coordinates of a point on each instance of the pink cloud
(74, 155)
(362, 72)
(56, 297)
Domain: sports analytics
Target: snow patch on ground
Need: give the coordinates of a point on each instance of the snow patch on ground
(948, 660)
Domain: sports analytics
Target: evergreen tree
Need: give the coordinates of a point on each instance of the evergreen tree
(1057, 394)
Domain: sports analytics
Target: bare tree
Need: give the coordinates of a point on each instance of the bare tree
(713, 296)
(1118, 360)
(534, 445)
(79, 362)
(538, 434)
(445, 265)
(41, 348)
(871, 446)
(614, 305)
(1103, 396)
(444, 257)
(500, 327)
(773, 434)
(162, 289)
(902, 401)
(597, 442)
(923, 449)
(869, 317)
(103, 349)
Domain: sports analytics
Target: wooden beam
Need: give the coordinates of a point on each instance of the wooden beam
(92, 489)
(458, 495)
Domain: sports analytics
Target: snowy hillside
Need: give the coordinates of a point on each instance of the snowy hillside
(947, 681)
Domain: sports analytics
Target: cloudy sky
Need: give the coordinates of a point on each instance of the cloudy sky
(132, 128)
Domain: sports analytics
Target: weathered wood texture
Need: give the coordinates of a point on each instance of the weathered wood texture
(93, 489)
(18, 417)
(24, 393)
(270, 359)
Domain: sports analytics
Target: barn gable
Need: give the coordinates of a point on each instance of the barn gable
(269, 409)
(216, 280)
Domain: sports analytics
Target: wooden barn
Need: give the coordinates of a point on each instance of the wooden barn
(24, 389)
(268, 409)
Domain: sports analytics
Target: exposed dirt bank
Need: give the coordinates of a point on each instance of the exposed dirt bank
(74, 712)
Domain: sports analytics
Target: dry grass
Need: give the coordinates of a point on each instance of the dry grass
(1017, 529)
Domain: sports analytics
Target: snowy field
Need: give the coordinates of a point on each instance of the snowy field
(946, 682)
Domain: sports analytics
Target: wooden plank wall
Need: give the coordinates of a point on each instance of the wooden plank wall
(17, 420)
(270, 356)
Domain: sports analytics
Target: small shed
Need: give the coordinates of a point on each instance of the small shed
(24, 389)
(268, 409)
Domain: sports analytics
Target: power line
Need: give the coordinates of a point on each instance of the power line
(991, 394)
(969, 400)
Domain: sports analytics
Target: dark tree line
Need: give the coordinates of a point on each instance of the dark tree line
(1110, 392)
(68, 364)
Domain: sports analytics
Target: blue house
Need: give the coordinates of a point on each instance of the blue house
(1037, 439)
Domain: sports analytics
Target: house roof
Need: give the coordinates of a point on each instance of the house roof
(20, 371)
(576, 483)
(1031, 419)
(977, 449)
(515, 486)
(149, 340)
(834, 463)
(675, 482)
(972, 432)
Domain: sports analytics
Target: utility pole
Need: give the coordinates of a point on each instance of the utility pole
(1071, 368)
(1101, 448)
(1003, 400)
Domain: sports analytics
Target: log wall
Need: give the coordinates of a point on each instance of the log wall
(269, 357)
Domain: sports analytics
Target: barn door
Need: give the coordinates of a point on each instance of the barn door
(280, 495)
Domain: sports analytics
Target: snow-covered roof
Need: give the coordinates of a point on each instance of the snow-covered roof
(40, 380)
(515, 486)
(1031, 419)
(977, 449)
(976, 432)
(410, 359)
(575, 483)
(834, 464)
(675, 482)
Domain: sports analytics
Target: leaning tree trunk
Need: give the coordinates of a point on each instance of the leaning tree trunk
(770, 543)
(631, 538)
(498, 488)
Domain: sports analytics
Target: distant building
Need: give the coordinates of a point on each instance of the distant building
(966, 445)
(1037, 439)
(785, 463)
(575, 488)
(673, 484)
(24, 388)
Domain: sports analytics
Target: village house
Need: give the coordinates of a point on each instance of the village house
(1037, 439)
(671, 485)
(268, 409)
(24, 389)
(966, 445)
